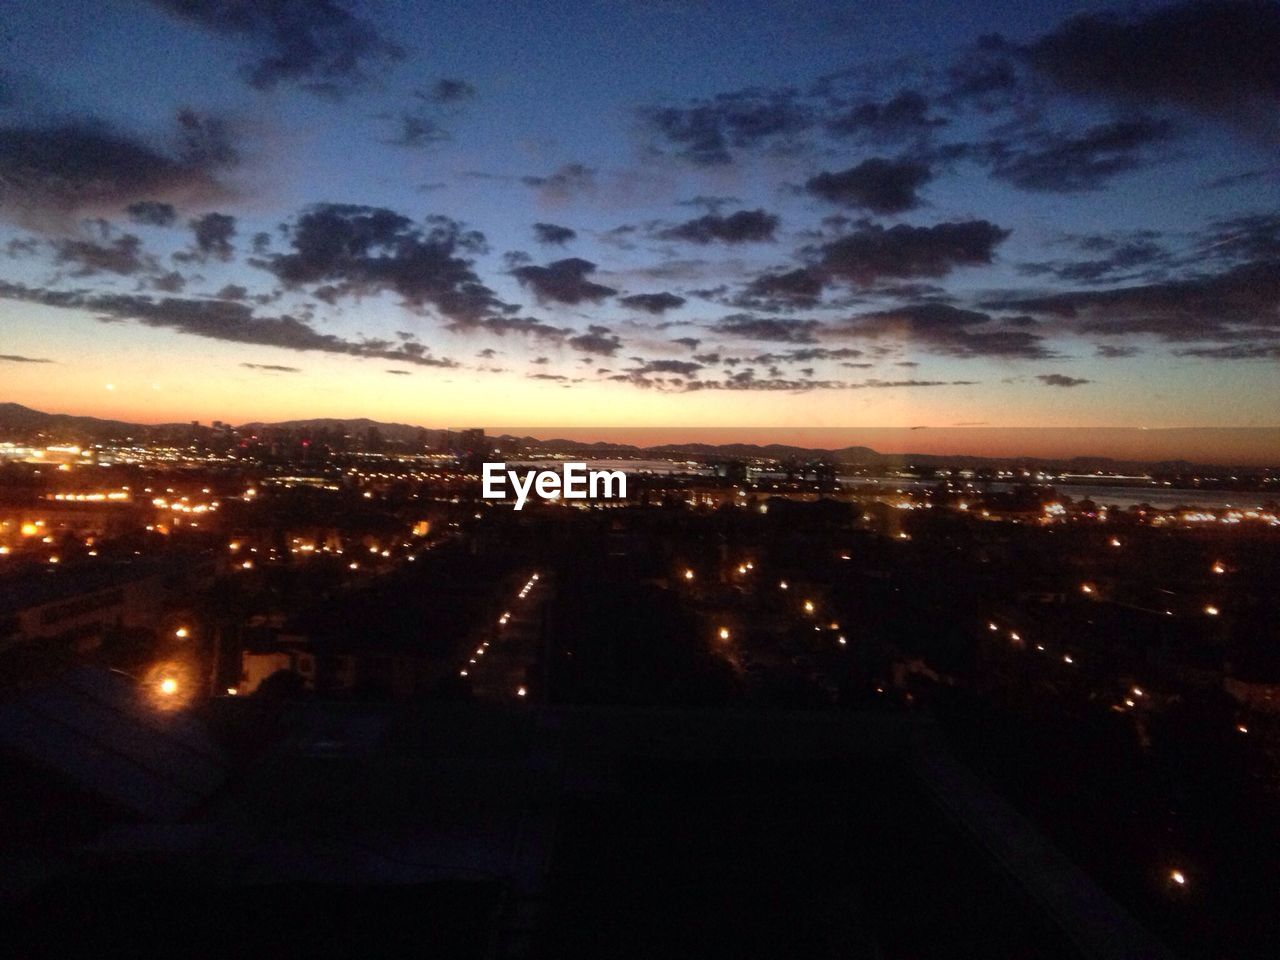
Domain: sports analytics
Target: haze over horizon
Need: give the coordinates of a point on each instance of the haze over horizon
(1239, 446)
(684, 216)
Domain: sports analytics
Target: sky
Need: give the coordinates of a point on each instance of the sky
(643, 214)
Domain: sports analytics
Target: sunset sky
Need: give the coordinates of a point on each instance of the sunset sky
(670, 213)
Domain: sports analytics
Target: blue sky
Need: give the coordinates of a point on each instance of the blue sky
(831, 214)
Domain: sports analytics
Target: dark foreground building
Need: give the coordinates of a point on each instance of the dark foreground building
(459, 830)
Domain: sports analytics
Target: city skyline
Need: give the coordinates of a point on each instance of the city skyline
(673, 216)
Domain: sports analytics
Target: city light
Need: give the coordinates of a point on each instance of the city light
(1211, 610)
(168, 686)
(182, 633)
(724, 633)
(1178, 877)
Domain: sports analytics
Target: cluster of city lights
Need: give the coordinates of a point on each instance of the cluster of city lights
(474, 660)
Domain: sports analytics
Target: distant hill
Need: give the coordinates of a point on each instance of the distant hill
(401, 432)
(18, 423)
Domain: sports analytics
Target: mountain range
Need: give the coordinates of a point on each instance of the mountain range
(19, 423)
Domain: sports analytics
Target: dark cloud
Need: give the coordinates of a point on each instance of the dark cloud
(1220, 57)
(232, 291)
(1250, 237)
(806, 355)
(597, 340)
(894, 384)
(400, 373)
(1060, 380)
(684, 368)
(942, 328)
(416, 130)
(21, 247)
(655, 303)
(219, 320)
(448, 90)
(879, 185)
(564, 183)
(341, 250)
(317, 44)
(744, 226)
(123, 255)
(1237, 304)
(525, 326)
(170, 282)
(564, 281)
(1248, 176)
(1233, 351)
(554, 234)
(1058, 162)
(1122, 258)
(903, 116)
(16, 358)
(152, 213)
(705, 131)
(213, 233)
(270, 367)
(51, 172)
(1116, 351)
(779, 329)
(709, 203)
(872, 252)
(422, 122)
(790, 289)
(690, 342)
(986, 75)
